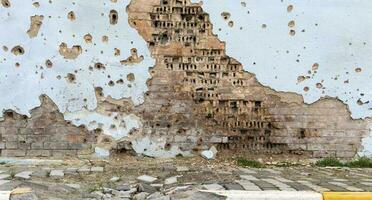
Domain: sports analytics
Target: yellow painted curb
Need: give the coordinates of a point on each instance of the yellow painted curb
(347, 195)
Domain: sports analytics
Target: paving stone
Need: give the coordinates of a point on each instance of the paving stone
(299, 187)
(280, 185)
(2, 182)
(71, 171)
(170, 180)
(346, 186)
(24, 175)
(314, 187)
(248, 177)
(248, 185)
(84, 169)
(263, 185)
(40, 173)
(97, 169)
(147, 179)
(367, 183)
(140, 196)
(144, 187)
(213, 187)
(4, 176)
(57, 173)
(123, 187)
(281, 179)
(74, 186)
(247, 171)
(233, 186)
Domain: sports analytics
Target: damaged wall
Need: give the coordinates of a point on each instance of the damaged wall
(94, 60)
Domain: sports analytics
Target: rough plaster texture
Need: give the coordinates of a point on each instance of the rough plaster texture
(89, 59)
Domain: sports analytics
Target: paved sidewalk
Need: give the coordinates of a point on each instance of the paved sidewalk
(173, 179)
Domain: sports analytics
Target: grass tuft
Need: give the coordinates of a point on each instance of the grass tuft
(249, 163)
(329, 162)
(362, 162)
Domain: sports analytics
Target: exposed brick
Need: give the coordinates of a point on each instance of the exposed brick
(56, 145)
(11, 145)
(39, 153)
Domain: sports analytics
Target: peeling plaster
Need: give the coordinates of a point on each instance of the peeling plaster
(57, 60)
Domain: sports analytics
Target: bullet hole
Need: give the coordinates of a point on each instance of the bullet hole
(17, 64)
(300, 79)
(360, 102)
(36, 22)
(133, 59)
(306, 89)
(358, 69)
(319, 85)
(18, 50)
(292, 32)
(5, 3)
(116, 52)
(243, 4)
(111, 83)
(231, 23)
(131, 77)
(48, 64)
(105, 38)
(167, 146)
(71, 16)
(120, 81)
(264, 26)
(99, 66)
(113, 17)
(88, 38)
(225, 15)
(59, 77)
(290, 8)
(291, 24)
(36, 4)
(71, 78)
(5, 48)
(315, 66)
(70, 53)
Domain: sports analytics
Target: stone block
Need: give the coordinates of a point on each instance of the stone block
(39, 153)
(24, 145)
(37, 145)
(56, 145)
(2, 145)
(13, 153)
(146, 179)
(64, 153)
(11, 145)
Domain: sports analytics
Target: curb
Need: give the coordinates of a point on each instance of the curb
(289, 195)
(347, 195)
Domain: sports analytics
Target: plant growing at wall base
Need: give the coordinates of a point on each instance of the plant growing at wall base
(329, 162)
(249, 163)
(362, 162)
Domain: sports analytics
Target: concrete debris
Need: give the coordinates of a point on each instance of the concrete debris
(57, 173)
(115, 179)
(24, 175)
(170, 180)
(146, 179)
(213, 187)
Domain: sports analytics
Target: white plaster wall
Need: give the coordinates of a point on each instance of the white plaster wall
(337, 35)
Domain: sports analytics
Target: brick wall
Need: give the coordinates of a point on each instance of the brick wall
(44, 134)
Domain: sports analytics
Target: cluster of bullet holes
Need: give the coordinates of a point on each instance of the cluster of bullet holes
(105, 38)
(5, 3)
(291, 24)
(113, 17)
(18, 50)
(71, 16)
